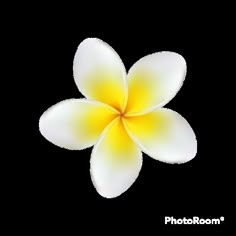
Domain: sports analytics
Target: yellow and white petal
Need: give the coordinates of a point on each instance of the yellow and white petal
(164, 135)
(154, 80)
(75, 123)
(99, 73)
(115, 162)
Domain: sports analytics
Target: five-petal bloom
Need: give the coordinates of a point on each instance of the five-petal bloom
(122, 115)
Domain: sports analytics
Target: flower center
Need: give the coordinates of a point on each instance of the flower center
(122, 114)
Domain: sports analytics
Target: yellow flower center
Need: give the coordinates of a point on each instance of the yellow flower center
(122, 114)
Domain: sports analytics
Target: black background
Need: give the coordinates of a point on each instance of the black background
(57, 189)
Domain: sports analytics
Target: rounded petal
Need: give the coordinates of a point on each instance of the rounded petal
(115, 162)
(164, 135)
(154, 80)
(75, 123)
(99, 73)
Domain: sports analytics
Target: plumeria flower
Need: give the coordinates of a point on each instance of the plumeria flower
(122, 115)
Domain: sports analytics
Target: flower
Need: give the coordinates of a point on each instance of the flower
(122, 115)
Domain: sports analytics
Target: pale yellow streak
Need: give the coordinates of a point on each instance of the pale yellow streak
(143, 92)
(106, 86)
(91, 121)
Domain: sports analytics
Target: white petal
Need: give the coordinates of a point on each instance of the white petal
(115, 162)
(75, 123)
(99, 73)
(164, 135)
(154, 80)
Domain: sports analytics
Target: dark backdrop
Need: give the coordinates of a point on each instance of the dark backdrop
(58, 189)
